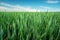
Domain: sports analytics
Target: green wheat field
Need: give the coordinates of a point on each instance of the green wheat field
(29, 25)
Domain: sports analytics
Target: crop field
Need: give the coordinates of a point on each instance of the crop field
(29, 25)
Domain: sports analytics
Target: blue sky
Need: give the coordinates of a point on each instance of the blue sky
(33, 4)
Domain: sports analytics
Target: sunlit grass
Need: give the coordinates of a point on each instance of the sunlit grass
(29, 25)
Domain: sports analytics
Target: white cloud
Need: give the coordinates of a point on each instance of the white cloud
(16, 8)
(49, 9)
(52, 1)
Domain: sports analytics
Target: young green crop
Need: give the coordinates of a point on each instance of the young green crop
(29, 26)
